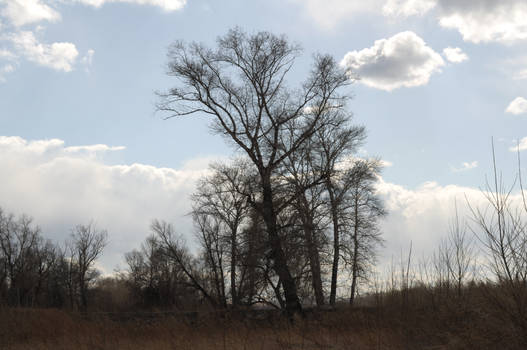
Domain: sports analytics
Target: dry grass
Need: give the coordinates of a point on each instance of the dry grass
(54, 329)
(424, 319)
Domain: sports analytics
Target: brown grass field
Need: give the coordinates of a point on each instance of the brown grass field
(392, 324)
(54, 329)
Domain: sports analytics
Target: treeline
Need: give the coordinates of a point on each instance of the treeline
(35, 271)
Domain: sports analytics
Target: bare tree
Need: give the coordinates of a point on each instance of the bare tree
(87, 244)
(19, 243)
(174, 248)
(460, 256)
(364, 209)
(335, 145)
(302, 171)
(222, 197)
(154, 279)
(501, 228)
(242, 86)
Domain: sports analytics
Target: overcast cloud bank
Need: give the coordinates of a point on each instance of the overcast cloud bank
(61, 186)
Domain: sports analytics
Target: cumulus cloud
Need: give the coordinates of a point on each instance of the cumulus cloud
(404, 60)
(328, 13)
(58, 56)
(465, 166)
(484, 20)
(517, 106)
(166, 5)
(455, 54)
(22, 12)
(406, 8)
(476, 20)
(63, 186)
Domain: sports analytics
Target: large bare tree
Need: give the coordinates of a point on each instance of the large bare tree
(242, 85)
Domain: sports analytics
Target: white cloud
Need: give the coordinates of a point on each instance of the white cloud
(88, 58)
(521, 145)
(93, 148)
(22, 12)
(521, 75)
(406, 8)
(455, 54)
(328, 13)
(58, 56)
(5, 69)
(485, 20)
(422, 215)
(465, 166)
(386, 163)
(404, 60)
(166, 5)
(517, 106)
(63, 186)
(476, 20)
(6, 54)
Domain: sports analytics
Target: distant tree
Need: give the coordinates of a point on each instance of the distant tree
(154, 279)
(455, 258)
(87, 244)
(19, 244)
(242, 85)
(28, 262)
(175, 249)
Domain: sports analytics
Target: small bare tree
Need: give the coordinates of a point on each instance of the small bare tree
(221, 198)
(364, 209)
(175, 249)
(461, 256)
(87, 244)
(502, 229)
(19, 244)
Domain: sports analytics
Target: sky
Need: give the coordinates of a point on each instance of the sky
(81, 141)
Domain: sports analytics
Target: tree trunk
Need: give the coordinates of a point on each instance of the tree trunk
(336, 246)
(233, 269)
(292, 303)
(313, 254)
(355, 262)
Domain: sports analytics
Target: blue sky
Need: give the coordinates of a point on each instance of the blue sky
(81, 139)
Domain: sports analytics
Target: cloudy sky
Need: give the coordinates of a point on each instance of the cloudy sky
(81, 140)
